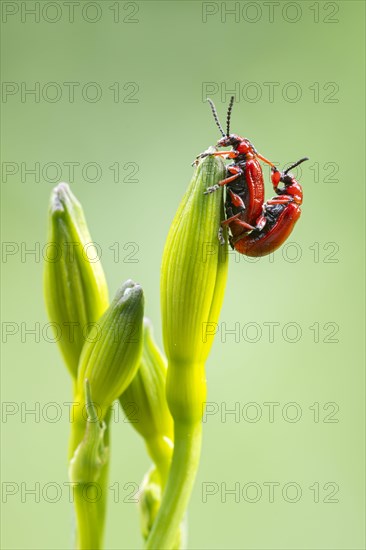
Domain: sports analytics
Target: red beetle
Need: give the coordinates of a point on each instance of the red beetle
(256, 228)
(244, 182)
(277, 220)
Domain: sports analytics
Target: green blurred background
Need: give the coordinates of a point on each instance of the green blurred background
(150, 63)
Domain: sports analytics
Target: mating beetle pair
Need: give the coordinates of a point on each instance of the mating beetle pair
(257, 228)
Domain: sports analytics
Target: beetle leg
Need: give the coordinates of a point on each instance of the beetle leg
(211, 189)
(262, 158)
(223, 182)
(227, 154)
(237, 200)
(246, 225)
(244, 234)
(261, 222)
(279, 200)
(232, 218)
(236, 172)
(220, 236)
(229, 179)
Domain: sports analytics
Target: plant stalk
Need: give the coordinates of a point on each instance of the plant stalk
(187, 449)
(89, 533)
(90, 499)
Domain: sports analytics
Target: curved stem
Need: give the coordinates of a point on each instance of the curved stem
(187, 448)
(160, 452)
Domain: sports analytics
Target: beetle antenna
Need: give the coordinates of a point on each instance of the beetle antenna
(215, 115)
(295, 164)
(229, 115)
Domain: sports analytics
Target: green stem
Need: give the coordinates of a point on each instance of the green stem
(187, 448)
(78, 425)
(161, 454)
(88, 535)
(90, 516)
(103, 481)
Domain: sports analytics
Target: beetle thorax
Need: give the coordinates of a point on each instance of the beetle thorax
(244, 146)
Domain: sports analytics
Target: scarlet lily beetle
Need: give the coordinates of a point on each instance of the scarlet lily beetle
(257, 228)
(277, 221)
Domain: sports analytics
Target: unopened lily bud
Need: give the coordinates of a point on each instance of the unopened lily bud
(91, 454)
(111, 360)
(149, 501)
(76, 291)
(147, 393)
(194, 271)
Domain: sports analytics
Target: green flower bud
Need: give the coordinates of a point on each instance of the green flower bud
(75, 288)
(91, 454)
(149, 501)
(147, 393)
(111, 360)
(193, 278)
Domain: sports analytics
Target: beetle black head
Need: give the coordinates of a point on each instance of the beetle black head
(285, 177)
